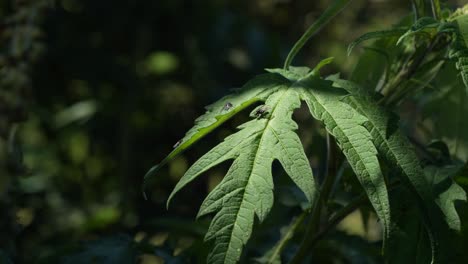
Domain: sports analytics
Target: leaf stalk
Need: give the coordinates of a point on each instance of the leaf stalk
(326, 17)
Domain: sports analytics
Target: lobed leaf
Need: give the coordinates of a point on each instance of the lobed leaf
(462, 22)
(347, 126)
(221, 111)
(460, 48)
(247, 188)
(448, 191)
(393, 147)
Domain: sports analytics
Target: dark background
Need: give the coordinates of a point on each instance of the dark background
(100, 91)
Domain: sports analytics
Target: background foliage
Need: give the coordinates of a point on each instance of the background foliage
(93, 93)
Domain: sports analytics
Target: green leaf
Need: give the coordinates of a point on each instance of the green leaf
(273, 256)
(447, 108)
(424, 26)
(435, 5)
(390, 142)
(460, 48)
(247, 188)
(398, 153)
(410, 242)
(462, 22)
(293, 74)
(447, 192)
(221, 111)
(392, 145)
(376, 35)
(347, 126)
(462, 177)
(320, 65)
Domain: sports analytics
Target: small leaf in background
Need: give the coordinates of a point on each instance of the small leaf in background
(463, 27)
(160, 63)
(445, 111)
(447, 192)
(376, 35)
(426, 26)
(78, 112)
(273, 256)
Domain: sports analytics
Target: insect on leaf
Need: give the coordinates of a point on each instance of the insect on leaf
(221, 111)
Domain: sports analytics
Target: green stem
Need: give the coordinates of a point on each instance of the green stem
(320, 206)
(415, 10)
(343, 213)
(435, 6)
(329, 13)
(287, 237)
(396, 86)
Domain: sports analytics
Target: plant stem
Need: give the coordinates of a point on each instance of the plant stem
(343, 213)
(406, 74)
(326, 16)
(320, 206)
(415, 10)
(435, 6)
(287, 237)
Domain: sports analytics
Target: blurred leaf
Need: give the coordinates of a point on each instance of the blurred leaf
(426, 26)
(168, 257)
(273, 256)
(78, 112)
(462, 177)
(447, 108)
(161, 62)
(376, 35)
(410, 242)
(102, 217)
(447, 192)
(460, 49)
(78, 147)
(463, 27)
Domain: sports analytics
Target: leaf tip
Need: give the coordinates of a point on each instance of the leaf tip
(169, 200)
(146, 179)
(350, 49)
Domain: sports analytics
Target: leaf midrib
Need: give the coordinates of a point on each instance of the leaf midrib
(354, 148)
(254, 164)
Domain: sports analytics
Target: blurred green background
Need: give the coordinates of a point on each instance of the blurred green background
(94, 93)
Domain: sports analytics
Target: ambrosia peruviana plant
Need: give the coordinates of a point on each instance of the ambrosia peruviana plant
(412, 196)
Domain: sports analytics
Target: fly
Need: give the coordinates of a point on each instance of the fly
(261, 111)
(227, 106)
